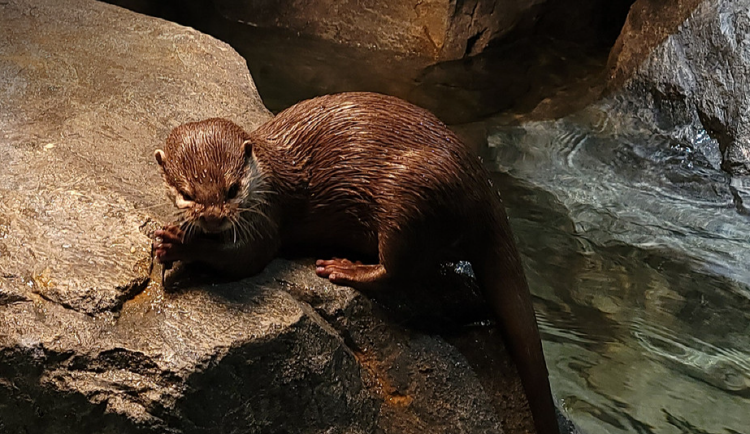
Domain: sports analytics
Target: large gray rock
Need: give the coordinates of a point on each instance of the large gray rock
(231, 358)
(88, 92)
(91, 342)
(686, 67)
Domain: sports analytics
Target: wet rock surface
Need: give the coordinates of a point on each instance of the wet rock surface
(91, 342)
(682, 69)
(242, 356)
(88, 92)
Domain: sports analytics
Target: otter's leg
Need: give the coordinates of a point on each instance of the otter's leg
(393, 258)
(348, 273)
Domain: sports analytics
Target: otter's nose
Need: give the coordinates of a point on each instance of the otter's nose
(212, 221)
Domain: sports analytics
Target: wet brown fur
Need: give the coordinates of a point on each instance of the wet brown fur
(368, 173)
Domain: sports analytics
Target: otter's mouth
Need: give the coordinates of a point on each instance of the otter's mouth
(214, 227)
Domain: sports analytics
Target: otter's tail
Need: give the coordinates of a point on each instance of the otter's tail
(500, 275)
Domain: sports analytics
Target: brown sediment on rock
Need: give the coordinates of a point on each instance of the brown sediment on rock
(382, 386)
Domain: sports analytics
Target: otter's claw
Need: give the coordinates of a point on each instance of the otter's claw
(168, 245)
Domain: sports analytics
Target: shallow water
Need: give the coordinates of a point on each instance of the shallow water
(634, 249)
(635, 253)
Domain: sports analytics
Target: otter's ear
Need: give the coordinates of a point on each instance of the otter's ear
(247, 145)
(160, 157)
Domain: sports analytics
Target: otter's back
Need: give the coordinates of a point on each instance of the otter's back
(366, 160)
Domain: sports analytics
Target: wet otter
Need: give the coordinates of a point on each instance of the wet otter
(357, 171)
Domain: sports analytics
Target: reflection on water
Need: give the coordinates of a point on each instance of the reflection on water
(636, 255)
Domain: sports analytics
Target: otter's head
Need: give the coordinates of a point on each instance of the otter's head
(204, 165)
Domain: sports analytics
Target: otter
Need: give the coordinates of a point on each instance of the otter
(363, 172)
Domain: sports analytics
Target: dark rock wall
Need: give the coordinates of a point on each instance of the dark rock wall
(685, 68)
(438, 29)
(590, 23)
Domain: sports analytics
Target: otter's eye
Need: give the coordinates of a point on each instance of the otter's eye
(233, 190)
(187, 197)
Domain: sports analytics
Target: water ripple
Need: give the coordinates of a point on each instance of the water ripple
(637, 256)
(725, 368)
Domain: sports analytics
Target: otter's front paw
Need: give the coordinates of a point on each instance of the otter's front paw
(169, 245)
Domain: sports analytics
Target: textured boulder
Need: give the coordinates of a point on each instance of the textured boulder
(88, 92)
(235, 357)
(440, 29)
(685, 67)
(91, 342)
